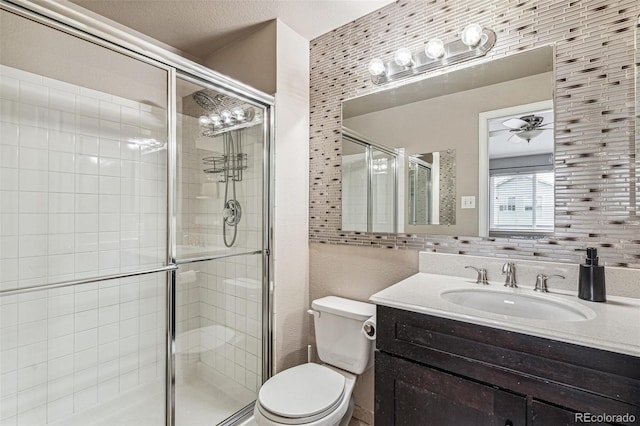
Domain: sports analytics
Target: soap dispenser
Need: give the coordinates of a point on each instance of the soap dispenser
(591, 284)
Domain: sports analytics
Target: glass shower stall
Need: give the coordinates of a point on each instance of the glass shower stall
(134, 230)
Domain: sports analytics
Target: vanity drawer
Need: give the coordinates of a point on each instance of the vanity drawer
(579, 376)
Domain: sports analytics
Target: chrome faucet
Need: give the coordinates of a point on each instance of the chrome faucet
(509, 269)
(482, 275)
(541, 282)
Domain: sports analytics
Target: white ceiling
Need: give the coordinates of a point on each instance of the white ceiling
(201, 27)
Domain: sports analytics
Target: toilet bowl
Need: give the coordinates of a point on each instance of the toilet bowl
(321, 397)
(321, 394)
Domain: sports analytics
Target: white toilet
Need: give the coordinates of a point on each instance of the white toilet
(320, 395)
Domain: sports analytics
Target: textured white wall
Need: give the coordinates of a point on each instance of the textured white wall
(291, 222)
(251, 60)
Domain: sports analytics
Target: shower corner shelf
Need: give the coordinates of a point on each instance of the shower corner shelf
(225, 163)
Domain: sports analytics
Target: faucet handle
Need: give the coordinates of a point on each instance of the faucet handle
(509, 269)
(541, 282)
(482, 275)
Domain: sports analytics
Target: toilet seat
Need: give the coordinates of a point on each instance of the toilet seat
(302, 394)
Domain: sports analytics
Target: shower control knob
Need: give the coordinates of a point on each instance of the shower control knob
(232, 213)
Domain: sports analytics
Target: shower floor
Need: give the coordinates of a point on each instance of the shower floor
(198, 403)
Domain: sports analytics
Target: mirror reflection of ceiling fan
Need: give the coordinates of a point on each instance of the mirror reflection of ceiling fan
(524, 128)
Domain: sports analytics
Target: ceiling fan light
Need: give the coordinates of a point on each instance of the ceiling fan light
(527, 135)
(403, 57)
(471, 35)
(434, 48)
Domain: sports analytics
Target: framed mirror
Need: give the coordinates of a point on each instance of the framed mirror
(443, 114)
(637, 113)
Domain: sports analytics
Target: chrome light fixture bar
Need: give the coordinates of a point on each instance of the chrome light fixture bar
(474, 42)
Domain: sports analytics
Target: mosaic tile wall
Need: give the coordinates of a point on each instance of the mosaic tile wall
(595, 170)
(447, 187)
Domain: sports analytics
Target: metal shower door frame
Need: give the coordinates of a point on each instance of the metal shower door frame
(68, 19)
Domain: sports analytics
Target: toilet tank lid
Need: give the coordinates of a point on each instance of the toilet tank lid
(344, 307)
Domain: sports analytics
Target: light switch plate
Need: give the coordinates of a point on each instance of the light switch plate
(469, 202)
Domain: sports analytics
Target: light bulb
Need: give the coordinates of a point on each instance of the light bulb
(249, 113)
(376, 67)
(403, 57)
(471, 35)
(238, 113)
(434, 48)
(226, 116)
(204, 120)
(215, 119)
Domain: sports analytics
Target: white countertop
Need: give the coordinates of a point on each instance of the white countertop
(616, 326)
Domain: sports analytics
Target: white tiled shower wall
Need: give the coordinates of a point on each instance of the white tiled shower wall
(68, 350)
(82, 194)
(200, 208)
(219, 321)
(219, 314)
(82, 187)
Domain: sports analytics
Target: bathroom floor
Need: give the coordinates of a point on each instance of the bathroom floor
(198, 403)
(356, 422)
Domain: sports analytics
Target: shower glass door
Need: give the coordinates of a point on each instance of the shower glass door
(219, 219)
(83, 136)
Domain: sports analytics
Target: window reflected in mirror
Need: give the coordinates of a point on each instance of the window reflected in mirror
(520, 169)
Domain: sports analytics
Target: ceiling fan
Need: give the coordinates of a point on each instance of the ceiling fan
(524, 128)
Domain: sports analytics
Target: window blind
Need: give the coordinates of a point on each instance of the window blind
(522, 201)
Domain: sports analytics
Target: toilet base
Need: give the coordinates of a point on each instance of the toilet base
(347, 416)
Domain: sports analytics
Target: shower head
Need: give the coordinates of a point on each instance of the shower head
(207, 102)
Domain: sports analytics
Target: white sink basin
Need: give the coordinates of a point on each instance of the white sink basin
(519, 305)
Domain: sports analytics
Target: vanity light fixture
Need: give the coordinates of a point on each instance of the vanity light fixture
(471, 35)
(434, 48)
(376, 67)
(474, 42)
(403, 57)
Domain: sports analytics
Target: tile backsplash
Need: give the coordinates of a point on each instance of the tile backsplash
(594, 90)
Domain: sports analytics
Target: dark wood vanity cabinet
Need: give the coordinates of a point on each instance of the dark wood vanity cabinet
(436, 371)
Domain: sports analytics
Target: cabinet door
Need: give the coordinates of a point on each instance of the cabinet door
(545, 415)
(410, 394)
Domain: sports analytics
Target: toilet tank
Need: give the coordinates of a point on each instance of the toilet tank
(339, 337)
